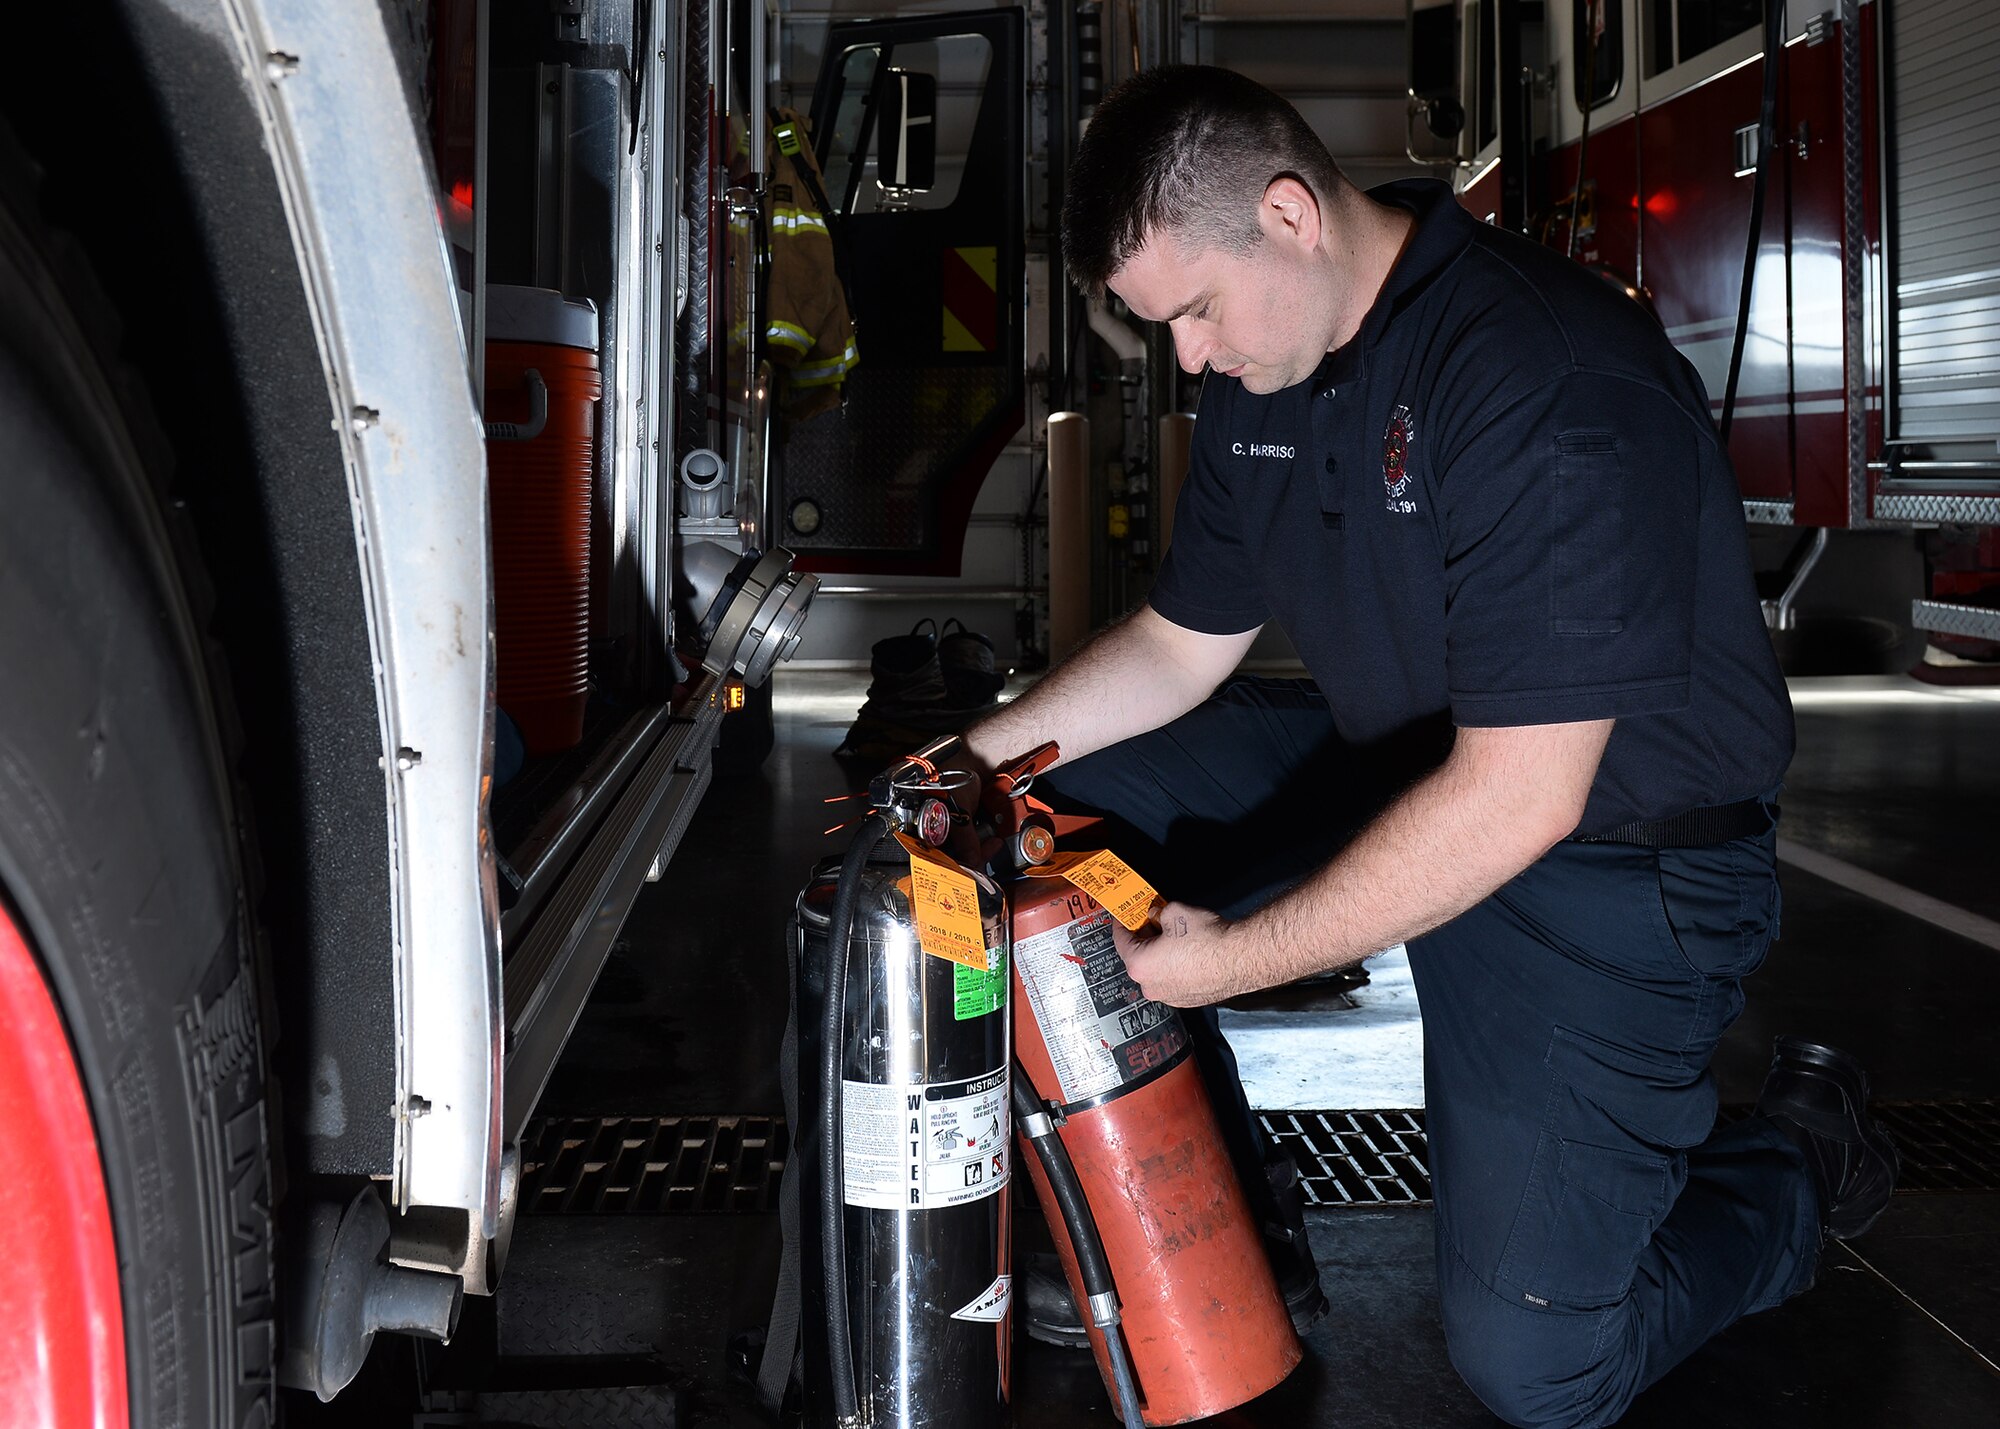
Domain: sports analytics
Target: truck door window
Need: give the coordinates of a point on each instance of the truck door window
(1479, 21)
(853, 131)
(1600, 62)
(1434, 52)
(960, 64)
(1678, 30)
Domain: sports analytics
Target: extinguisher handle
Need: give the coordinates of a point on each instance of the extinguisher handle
(919, 767)
(1006, 805)
(1012, 780)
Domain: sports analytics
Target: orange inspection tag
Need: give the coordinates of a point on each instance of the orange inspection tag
(946, 903)
(1110, 880)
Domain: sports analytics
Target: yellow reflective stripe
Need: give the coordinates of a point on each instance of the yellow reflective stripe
(796, 219)
(789, 335)
(821, 374)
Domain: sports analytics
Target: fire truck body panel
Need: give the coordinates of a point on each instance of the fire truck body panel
(1869, 390)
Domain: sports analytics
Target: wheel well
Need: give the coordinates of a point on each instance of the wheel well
(150, 157)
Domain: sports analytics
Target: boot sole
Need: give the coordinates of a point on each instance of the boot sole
(1061, 1339)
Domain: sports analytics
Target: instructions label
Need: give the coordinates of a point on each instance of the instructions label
(916, 1147)
(945, 902)
(1100, 1030)
(1110, 880)
(979, 991)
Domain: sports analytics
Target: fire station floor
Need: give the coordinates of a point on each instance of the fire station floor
(620, 1307)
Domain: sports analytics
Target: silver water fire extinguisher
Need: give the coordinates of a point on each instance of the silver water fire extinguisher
(904, 1143)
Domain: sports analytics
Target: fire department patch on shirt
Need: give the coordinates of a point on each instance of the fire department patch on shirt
(1396, 439)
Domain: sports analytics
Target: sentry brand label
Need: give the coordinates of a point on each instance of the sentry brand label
(1100, 1030)
(916, 1147)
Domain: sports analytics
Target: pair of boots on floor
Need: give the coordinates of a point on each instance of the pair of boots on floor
(929, 682)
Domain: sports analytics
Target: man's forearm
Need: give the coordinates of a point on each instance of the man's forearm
(1137, 675)
(1469, 827)
(1501, 800)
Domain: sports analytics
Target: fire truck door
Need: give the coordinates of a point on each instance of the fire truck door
(934, 276)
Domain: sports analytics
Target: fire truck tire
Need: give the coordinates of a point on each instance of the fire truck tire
(120, 868)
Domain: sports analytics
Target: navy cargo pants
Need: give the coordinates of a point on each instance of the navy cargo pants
(1594, 1228)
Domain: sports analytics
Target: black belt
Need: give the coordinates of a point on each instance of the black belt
(1696, 828)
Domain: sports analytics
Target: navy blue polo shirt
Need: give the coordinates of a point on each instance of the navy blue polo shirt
(1502, 503)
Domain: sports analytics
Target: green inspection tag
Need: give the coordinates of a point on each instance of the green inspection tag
(979, 991)
(788, 140)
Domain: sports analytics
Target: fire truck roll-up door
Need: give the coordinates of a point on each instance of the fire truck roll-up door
(934, 276)
(1942, 397)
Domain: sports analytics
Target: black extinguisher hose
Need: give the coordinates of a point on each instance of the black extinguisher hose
(1767, 112)
(833, 1171)
(1098, 1285)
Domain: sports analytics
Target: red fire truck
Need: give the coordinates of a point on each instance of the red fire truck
(379, 394)
(1627, 133)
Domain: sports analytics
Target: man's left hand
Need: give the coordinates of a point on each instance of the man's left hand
(1188, 962)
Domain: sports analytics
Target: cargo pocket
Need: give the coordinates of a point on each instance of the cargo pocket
(1588, 1213)
(1588, 548)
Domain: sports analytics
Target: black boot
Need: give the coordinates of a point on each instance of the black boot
(1818, 1096)
(1051, 1310)
(1286, 1242)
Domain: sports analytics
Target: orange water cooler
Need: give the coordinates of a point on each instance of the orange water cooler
(542, 390)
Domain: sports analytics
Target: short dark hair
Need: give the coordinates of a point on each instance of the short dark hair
(1185, 151)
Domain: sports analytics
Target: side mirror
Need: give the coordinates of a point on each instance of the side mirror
(1444, 117)
(906, 155)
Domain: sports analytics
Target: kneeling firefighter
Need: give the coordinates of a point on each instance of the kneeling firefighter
(951, 991)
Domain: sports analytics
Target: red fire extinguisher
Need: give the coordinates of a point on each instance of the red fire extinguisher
(1201, 1313)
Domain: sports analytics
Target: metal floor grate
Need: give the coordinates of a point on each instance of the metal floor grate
(1355, 1158)
(651, 1165)
(1945, 1146)
(1382, 1158)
